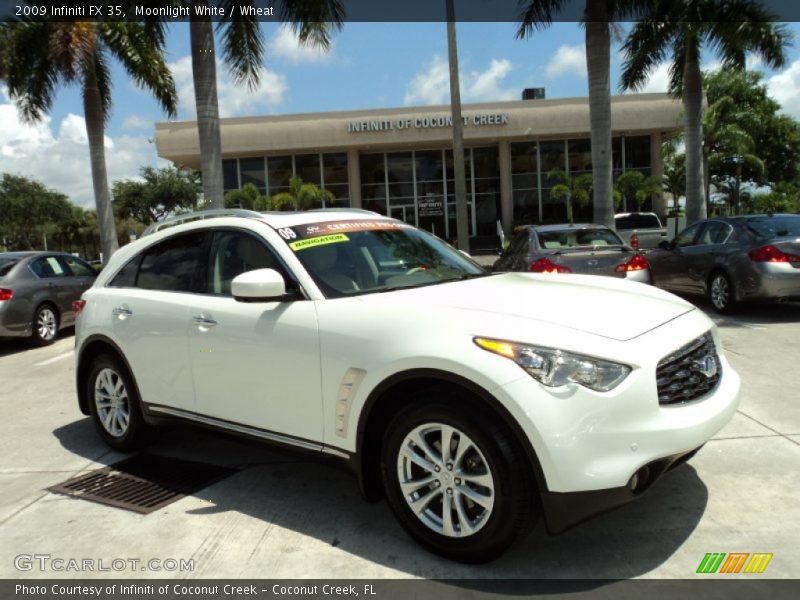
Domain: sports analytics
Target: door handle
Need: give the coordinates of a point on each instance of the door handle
(204, 321)
(122, 312)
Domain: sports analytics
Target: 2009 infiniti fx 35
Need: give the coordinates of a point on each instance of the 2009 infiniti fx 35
(473, 402)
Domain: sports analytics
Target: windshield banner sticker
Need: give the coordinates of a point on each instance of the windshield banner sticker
(317, 229)
(318, 241)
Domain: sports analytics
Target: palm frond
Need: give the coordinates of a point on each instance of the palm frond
(31, 76)
(138, 49)
(313, 21)
(536, 15)
(242, 44)
(644, 49)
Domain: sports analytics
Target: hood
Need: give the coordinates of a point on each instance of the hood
(604, 306)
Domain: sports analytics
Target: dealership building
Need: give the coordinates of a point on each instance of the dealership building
(399, 162)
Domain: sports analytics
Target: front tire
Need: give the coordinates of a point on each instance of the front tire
(456, 481)
(721, 293)
(115, 407)
(45, 325)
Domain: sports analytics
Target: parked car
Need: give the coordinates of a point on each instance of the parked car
(37, 290)
(474, 402)
(732, 260)
(640, 230)
(572, 248)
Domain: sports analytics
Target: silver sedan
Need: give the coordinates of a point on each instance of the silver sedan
(572, 248)
(732, 260)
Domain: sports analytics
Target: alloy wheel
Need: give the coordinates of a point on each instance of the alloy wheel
(46, 324)
(445, 480)
(112, 402)
(720, 292)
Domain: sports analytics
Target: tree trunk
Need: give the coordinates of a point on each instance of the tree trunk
(204, 73)
(706, 175)
(598, 52)
(693, 125)
(95, 132)
(459, 169)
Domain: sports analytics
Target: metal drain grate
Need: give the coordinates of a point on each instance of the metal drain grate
(143, 483)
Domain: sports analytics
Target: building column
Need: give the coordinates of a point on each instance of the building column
(506, 197)
(657, 170)
(354, 178)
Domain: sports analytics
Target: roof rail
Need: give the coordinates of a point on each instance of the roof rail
(200, 215)
(343, 209)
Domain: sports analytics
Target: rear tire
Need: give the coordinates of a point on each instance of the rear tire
(45, 325)
(722, 294)
(468, 503)
(115, 406)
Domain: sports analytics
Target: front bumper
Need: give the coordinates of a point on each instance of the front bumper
(563, 510)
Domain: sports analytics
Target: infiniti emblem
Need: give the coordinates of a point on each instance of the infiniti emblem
(707, 365)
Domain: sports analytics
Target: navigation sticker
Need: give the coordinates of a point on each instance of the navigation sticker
(318, 241)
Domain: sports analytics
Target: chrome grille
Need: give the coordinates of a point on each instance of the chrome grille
(688, 373)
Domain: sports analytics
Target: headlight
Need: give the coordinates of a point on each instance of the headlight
(555, 367)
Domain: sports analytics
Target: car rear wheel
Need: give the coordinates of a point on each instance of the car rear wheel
(45, 325)
(455, 481)
(115, 407)
(721, 293)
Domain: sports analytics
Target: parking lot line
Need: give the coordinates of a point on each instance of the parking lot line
(56, 358)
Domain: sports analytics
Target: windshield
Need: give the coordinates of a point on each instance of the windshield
(576, 238)
(347, 258)
(7, 263)
(771, 227)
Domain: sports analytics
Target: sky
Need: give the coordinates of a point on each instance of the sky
(370, 65)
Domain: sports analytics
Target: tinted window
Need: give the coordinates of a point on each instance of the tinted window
(78, 267)
(48, 266)
(570, 238)
(637, 221)
(126, 277)
(6, 264)
(175, 265)
(686, 237)
(770, 227)
(715, 232)
(234, 253)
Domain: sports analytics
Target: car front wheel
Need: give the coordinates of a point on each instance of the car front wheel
(456, 482)
(114, 405)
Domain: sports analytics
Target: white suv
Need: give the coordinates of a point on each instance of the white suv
(474, 402)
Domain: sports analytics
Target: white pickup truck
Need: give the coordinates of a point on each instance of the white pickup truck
(640, 230)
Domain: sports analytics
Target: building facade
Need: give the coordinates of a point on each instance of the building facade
(399, 161)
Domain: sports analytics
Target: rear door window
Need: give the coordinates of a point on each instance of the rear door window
(48, 267)
(177, 264)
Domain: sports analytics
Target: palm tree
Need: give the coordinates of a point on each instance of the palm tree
(38, 56)
(636, 187)
(735, 148)
(301, 196)
(598, 21)
(571, 188)
(242, 51)
(730, 29)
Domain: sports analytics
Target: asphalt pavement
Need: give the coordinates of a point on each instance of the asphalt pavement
(287, 516)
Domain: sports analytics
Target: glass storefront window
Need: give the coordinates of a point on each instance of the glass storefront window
(335, 169)
(252, 170)
(523, 158)
(373, 169)
(637, 152)
(279, 170)
(580, 156)
(553, 211)
(526, 207)
(399, 166)
(307, 168)
(230, 174)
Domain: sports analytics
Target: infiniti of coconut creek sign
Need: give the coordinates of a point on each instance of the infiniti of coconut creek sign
(428, 122)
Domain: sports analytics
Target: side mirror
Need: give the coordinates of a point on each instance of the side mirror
(261, 285)
(664, 245)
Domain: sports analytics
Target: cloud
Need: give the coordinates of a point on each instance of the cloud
(286, 45)
(137, 123)
(658, 80)
(567, 60)
(57, 154)
(432, 86)
(785, 88)
(234, 100)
